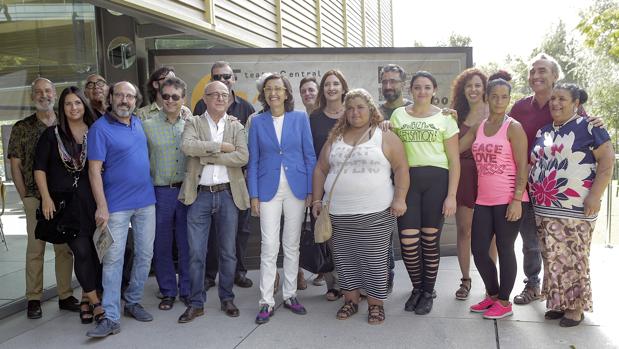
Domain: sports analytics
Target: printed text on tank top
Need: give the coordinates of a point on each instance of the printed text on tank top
(485, 154)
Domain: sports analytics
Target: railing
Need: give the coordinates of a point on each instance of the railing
(609, 202)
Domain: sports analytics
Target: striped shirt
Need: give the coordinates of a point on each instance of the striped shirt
(167, 161)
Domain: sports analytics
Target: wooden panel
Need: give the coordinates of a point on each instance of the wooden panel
(386, 24)
(252, 21)
(298, 23)
(371, 23)
(332, 23)
(353, 16)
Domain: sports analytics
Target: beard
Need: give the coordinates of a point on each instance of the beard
(45, 105)
(121, 112)
(391, 95)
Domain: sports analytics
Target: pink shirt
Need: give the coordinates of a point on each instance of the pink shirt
(496, 168)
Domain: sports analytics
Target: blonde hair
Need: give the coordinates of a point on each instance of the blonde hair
(341, 126)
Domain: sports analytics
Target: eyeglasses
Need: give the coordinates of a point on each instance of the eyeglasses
(218, 95)
(219, 77)
(166, 96)
(390, 82)
(277, 89)
(121, 96)
(98, 83)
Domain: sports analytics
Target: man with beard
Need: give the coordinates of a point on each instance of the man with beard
(96, 90)
(240, 109)
(153, 91)
(21, 149)
(124, 193)
(392, 78)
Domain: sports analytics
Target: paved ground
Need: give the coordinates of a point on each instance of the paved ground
(450, 325)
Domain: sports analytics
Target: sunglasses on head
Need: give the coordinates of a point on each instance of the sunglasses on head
(219, 77)
(166, 96)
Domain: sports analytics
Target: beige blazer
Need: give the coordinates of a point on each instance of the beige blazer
(197, 144)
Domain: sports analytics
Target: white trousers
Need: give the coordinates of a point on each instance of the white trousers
(270, 216)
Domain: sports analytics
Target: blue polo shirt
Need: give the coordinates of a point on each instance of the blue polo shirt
(126, 168)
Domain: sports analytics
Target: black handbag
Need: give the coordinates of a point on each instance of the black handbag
(314, 257)
(64, 225)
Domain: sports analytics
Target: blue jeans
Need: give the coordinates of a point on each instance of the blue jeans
(532, 259)
(217, 208)
(171, 225)
(143, 224)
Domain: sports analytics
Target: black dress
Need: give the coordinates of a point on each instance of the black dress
(81, 208)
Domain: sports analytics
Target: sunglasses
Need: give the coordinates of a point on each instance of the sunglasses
(219, 77)
(166, 96)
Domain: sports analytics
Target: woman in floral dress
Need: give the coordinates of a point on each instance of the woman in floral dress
(572, 163)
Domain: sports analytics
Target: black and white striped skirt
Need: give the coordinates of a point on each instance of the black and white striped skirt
(361, 251)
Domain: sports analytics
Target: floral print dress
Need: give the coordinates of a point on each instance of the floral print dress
(563, 170)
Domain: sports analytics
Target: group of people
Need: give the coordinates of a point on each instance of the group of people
(162, 176)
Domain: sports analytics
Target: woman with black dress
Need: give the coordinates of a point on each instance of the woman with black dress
(61, 173)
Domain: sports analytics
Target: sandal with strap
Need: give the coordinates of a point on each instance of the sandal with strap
(376, 314)
(333, 294)
(347, 310)
(553, 314)
(465, 287)
(101, 315)
(86, 316)
(167, 302)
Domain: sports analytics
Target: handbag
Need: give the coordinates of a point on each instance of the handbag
(314, 257)
(64, 225)
(323, 228)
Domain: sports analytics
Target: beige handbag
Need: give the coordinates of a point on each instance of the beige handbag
(323, 229)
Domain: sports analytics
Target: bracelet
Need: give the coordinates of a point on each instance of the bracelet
(316, 201)
(514, 198)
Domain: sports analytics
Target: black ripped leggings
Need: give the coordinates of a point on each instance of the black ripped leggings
(489, 221)
(420, 250)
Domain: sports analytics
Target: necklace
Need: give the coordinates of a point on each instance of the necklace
(557, 127)
(335, 113)
(72, 165)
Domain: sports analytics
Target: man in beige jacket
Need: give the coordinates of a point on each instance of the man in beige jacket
(215, 189)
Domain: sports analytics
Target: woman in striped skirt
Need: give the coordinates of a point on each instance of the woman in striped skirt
(364, 204)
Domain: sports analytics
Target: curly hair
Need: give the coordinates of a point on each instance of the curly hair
(458, 99)
(321, 100)
(157, 75)
(341, 126)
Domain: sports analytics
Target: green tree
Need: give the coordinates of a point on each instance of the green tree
(600, 26)
(456, 40)
(565, 50)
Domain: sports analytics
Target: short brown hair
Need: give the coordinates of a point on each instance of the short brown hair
(288, 103)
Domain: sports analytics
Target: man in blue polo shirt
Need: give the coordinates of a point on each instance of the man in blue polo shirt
(119, 172)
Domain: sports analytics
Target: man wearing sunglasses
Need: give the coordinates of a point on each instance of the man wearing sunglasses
(167, 170)
(153, 87)
(241, 109)
(96, 90)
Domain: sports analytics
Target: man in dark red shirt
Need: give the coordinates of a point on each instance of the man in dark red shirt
(533, 112)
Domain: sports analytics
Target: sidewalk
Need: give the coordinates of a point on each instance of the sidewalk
(449, 325)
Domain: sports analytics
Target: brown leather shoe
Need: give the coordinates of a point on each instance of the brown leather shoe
(190, 314)
(229, 308)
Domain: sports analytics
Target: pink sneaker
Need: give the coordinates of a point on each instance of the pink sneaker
(498, 311)
(482, 306)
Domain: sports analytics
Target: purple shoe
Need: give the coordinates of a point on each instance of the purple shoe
(293, 304)
(264, 314)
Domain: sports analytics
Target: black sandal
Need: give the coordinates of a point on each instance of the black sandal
(465, 287)
(333, 294)
(376, 314)
(553, 314)
(347, 310)
(86, 316)
(166, 303)
(567, 322)
(100, 316)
